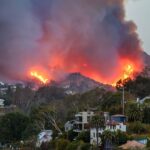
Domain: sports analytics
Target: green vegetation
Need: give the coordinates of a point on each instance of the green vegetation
(140, 87)
(97, 121)
(134, 112)
(84, 136)
(137, 128)
(50, 107)
(12, 127)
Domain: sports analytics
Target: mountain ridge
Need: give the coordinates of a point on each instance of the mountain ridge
(77, 83)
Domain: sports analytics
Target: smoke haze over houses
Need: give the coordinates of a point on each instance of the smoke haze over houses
(61, 36)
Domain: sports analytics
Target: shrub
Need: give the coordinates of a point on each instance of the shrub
(121, 137)
(137, 127)
(85, 146)
(84, 136)
(52, 145)
(74, 145)
(72, 135)
(61, 143)
(148, 143)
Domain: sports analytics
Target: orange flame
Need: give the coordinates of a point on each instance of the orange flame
(39, 77)
(128, 71)
(126, 68)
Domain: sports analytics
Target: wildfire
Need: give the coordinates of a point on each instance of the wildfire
(128, 71)
(39, 77)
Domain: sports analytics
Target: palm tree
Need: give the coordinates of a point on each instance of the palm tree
(107, 138)
(98, 122)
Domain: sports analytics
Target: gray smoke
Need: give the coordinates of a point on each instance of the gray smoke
(60, 36)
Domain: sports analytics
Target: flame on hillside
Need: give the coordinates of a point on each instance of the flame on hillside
(38, 76)
(126, 69)
(128, 72)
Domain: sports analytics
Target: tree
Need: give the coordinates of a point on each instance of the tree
(111, 102)
(8, 96)
(47, 94)
(107, 138)
(31, 131)
(71, 135)
(98, 122)
(84, 136)
(126, 83)
(137, 127)
(121, 137)
(134, 112)
(146, 114)
(45, 117)
(62, 144)
(79, 145)
(73, 146)
(148, 143)
(140, 86)
(12, 126)
(22, 97)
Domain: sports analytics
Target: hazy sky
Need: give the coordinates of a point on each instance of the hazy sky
(139, 11)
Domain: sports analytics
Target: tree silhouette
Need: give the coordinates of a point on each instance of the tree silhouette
(107, 138)
(98, 122)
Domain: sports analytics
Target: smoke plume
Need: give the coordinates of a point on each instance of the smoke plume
(61, 36)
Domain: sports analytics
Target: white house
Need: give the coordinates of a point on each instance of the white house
(82, 120)
(80, 123)
(110, 126)
(141, 101)
(44, 136)
(117, 122)
(2, 102)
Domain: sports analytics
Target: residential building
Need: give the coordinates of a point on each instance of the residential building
(2, 103)
(141, 101)
(118, 118)
(3, 90)
(82, 120)
(80, 123)
(117, 122)
(44, 136)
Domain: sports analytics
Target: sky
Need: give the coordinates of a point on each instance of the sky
(139, 12)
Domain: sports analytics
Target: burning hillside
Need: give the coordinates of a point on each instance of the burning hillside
(46, 40)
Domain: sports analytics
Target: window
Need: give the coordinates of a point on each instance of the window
(88, 119)
(94, 134)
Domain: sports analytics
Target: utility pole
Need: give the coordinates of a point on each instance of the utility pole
(123, 100)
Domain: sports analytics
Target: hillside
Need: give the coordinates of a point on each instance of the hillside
(146, 58)
(77, 83)
(146, 71)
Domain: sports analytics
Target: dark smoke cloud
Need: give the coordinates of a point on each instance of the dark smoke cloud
(85, 35)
